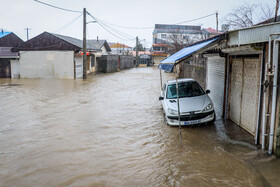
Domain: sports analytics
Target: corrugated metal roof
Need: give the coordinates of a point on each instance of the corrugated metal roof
(2, 34)
(255, 34)
(168, 63)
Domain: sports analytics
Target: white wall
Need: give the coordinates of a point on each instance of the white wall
(15, 69)
(46, 64)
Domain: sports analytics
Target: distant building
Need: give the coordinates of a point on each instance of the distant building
(167, 38)
(168, 33)
(209, 33)
(120, 49)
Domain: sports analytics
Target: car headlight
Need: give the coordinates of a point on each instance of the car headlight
(172, 112)
(208, 108)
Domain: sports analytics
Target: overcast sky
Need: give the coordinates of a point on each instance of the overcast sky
(16, 15)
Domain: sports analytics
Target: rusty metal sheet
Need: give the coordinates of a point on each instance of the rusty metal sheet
(250, 94)
(236, 89)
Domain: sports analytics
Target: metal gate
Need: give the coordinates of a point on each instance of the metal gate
(215, 83)
(244, 92)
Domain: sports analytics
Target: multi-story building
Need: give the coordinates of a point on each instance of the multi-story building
(168, 33)
(168, 39)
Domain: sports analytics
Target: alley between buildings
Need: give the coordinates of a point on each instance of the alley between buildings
(109, 130)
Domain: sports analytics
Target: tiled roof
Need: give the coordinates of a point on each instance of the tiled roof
(212, 31)
(159, 45)
(5, 52)
(3, 33)
(119, 45)
(91, 44)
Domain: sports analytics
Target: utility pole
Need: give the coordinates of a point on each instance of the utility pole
(217, 22)
(84, 46)
(137, 50)
(276, 10)
(27, 29)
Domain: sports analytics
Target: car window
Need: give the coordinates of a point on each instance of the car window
(186, 89)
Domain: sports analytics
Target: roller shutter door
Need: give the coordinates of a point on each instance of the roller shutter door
(215, 83)
(245, 78)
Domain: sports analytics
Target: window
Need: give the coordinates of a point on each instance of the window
(163, 35)
(186, 89)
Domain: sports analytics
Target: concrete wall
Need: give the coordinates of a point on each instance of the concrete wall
(47, 64)
(126, 62)
(194, 68)
(108, 63)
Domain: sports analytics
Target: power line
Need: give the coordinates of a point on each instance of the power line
(76, 11)
(116, 30)
(126, 27)
(67, 24)
(107, 28)
(195, 19)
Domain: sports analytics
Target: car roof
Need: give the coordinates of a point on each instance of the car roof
(180, 80)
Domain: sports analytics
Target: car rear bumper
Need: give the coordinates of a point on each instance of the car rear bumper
(191, 120)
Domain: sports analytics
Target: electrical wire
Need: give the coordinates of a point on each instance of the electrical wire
(195, 19)
(110, 29)
(116, 30)
(76, 11)
(126, 27)
(59, 30)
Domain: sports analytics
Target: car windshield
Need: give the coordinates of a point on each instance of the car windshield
(186, 89)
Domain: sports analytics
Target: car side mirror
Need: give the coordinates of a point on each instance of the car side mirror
(160, 98)
(207, 91)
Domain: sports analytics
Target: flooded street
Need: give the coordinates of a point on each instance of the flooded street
(110, 131)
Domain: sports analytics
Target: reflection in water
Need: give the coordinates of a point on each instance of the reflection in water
(108, 131)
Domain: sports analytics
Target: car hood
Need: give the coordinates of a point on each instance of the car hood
(188, 104)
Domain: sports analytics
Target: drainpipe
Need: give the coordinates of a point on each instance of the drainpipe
(264, 95)
(260, 96)
(274, 94)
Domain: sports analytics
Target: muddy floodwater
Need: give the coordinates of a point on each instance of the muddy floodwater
(109, 131)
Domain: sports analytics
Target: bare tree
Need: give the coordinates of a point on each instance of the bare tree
(248, 15)
(176, 42)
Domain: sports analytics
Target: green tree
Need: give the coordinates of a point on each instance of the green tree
(139, 47)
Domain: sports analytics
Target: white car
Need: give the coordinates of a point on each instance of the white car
(195, 105)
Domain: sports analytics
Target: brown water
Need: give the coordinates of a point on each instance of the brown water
(109, 131)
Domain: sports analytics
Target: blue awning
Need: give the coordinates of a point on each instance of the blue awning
(169, 63)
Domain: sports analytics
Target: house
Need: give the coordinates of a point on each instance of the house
(209, 32)
(167, 38)
(120, 49)
(164, 33)
(159, 52)
(241, 70)
(51, 55)
(8, 40)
